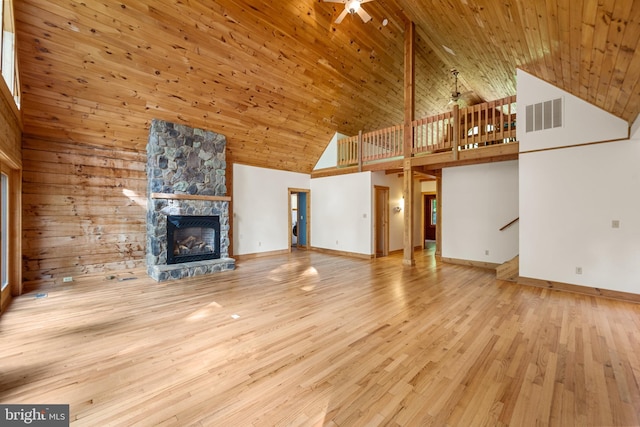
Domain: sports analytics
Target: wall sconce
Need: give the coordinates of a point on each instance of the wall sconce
(400, 207)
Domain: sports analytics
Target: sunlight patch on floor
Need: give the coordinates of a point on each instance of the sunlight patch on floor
(277, 273)
(311, 271)
(201, 313)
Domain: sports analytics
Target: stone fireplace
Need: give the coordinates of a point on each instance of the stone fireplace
(188, 210)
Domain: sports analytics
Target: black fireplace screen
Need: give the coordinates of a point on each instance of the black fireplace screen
(192, 238)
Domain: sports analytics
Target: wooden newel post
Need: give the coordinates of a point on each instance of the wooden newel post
(409, 111)
(439, 214)
(408, 257)
(360, 151)
(456, 131)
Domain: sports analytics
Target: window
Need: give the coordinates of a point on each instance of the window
(4, 231)
(9, 65)
(434, 213)
(475, 130)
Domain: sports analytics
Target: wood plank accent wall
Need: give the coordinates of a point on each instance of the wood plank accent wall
(11, 129)
(84, 210)
(11, 163)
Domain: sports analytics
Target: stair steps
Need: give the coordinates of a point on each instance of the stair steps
(510, 270)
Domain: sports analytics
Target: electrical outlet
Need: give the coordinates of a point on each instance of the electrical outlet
(578, 270)
(67, 279)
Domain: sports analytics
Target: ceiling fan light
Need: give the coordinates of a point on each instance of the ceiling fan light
(353, 6)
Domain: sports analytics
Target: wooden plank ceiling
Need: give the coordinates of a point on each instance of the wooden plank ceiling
(279, 78)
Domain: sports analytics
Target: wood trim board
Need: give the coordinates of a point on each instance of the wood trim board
(171, 196)
(585, 290)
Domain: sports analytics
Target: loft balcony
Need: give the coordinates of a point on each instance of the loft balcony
(477, 134)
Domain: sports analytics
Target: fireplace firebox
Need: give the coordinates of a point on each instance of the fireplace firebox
(192, 238)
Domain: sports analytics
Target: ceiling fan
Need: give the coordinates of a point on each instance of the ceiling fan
(352, 7)
(455, 94)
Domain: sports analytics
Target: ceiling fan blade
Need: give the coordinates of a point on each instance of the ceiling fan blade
(364, 15)
(365, 1)
(341, 16)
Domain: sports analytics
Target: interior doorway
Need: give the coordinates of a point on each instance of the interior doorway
(430, 216)
(381, 221)
(299, 218)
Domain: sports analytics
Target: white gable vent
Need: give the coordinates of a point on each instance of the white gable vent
(544, 115)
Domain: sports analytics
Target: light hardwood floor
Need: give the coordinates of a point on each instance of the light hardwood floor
(313, 339)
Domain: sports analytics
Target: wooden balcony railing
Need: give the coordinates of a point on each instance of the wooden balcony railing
(382, 144)
(348, 151)
(488, 123)
(433, 134)
(483, 124)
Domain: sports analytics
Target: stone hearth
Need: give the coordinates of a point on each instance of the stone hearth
(186, 176)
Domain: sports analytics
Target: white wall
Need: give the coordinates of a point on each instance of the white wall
(329, 158)
(341, 210)
(260, 203)
(341, 213)
(396, 219)
(428, 186)
(583, 123)
(635, 128)
(570, 196)
(477, 201)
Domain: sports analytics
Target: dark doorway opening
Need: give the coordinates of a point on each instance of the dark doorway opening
(430, 217)
(299, 218)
